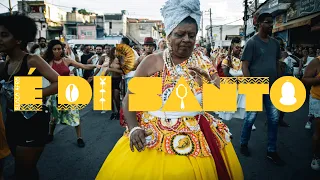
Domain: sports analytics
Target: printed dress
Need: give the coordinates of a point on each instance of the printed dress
(235, 70)
(177, 148)
(65, 117)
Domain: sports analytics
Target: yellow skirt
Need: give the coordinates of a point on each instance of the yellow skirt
(4, 149)
(150, 164)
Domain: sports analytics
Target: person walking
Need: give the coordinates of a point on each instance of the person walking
(311, 78)
(260, 58)
(174, 145)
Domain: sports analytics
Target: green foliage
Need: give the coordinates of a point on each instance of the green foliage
(163, 33)
(84, 12)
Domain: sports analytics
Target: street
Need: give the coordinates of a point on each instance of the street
(62, 159)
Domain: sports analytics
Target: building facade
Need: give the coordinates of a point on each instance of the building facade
(296, 22)
(222, 33)
(79, 26)
(48, 18)
(115, 24)
(86, 31)
(139, 29)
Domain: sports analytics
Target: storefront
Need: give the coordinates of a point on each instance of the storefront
(302, 31)
(282, 36)
(301, 24)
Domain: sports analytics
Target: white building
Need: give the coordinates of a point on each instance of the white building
(220, 34)
(139, 29)
(115, 24)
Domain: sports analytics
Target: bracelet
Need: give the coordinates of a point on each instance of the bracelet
(134, 129)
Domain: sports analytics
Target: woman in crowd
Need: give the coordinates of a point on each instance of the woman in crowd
(312, 78)
(174, 145)
(231, 66)
(26, 132)
(207, 53)
(114, 70)
(57, 59)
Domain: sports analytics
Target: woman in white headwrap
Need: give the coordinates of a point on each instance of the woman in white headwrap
(174, 145)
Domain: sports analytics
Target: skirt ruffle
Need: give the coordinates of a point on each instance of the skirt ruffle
(122, 164)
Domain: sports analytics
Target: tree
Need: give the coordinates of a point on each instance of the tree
(84, 12)
(163, 33)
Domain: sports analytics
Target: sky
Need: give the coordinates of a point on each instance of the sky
(223, 11)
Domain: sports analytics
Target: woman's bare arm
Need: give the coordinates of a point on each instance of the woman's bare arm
(143, 70)
(310, 75)
(47, 72)
(80, 65)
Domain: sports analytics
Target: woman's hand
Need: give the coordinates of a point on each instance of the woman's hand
(197, 72)
(98, 66)
(138, 139)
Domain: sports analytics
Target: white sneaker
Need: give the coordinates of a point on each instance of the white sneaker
(315, 164)
(103, 112)
(253, 128)
(308, 125)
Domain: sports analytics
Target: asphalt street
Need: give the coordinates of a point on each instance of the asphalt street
(64, 160)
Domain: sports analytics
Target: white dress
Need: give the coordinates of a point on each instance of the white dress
(241, 101)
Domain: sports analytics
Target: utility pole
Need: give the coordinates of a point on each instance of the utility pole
(10, 8)
(221, 32)
(211, 37)
(255, 5)
(202, 24)
(245, 19)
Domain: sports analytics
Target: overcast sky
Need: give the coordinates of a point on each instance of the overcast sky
(223, 11)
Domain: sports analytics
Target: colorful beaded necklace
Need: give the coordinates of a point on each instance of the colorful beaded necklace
(172, 70)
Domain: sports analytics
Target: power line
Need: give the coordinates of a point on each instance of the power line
(227, 23)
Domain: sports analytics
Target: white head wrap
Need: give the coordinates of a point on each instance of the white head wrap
(175, 11)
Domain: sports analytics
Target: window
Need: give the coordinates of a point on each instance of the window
(89, 33)
(35, 9)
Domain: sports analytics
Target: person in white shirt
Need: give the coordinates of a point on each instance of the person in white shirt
(288, 60)
(42, 46)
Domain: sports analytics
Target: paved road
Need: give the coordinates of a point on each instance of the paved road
(62, 158)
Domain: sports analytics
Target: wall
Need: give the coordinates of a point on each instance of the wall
(226, 30)
(303, 8)
(139, 31)
(89, 32)
(117, 27)
(42, 30)
(55, 14)
(76, 17)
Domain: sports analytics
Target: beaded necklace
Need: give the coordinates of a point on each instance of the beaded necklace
(169, 65)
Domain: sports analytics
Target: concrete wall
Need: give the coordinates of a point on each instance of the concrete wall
(141, 30)
(226, 30)
(55, 14)
(76, 17)
(117, 27)
(89, 32)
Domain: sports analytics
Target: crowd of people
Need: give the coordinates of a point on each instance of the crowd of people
(197, 142)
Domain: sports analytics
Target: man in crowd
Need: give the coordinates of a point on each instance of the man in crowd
(86, 58)
(42, 46)
(261, 59)
(149, 47)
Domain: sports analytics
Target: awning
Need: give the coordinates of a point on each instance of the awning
(296, 23)
(55, 28)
